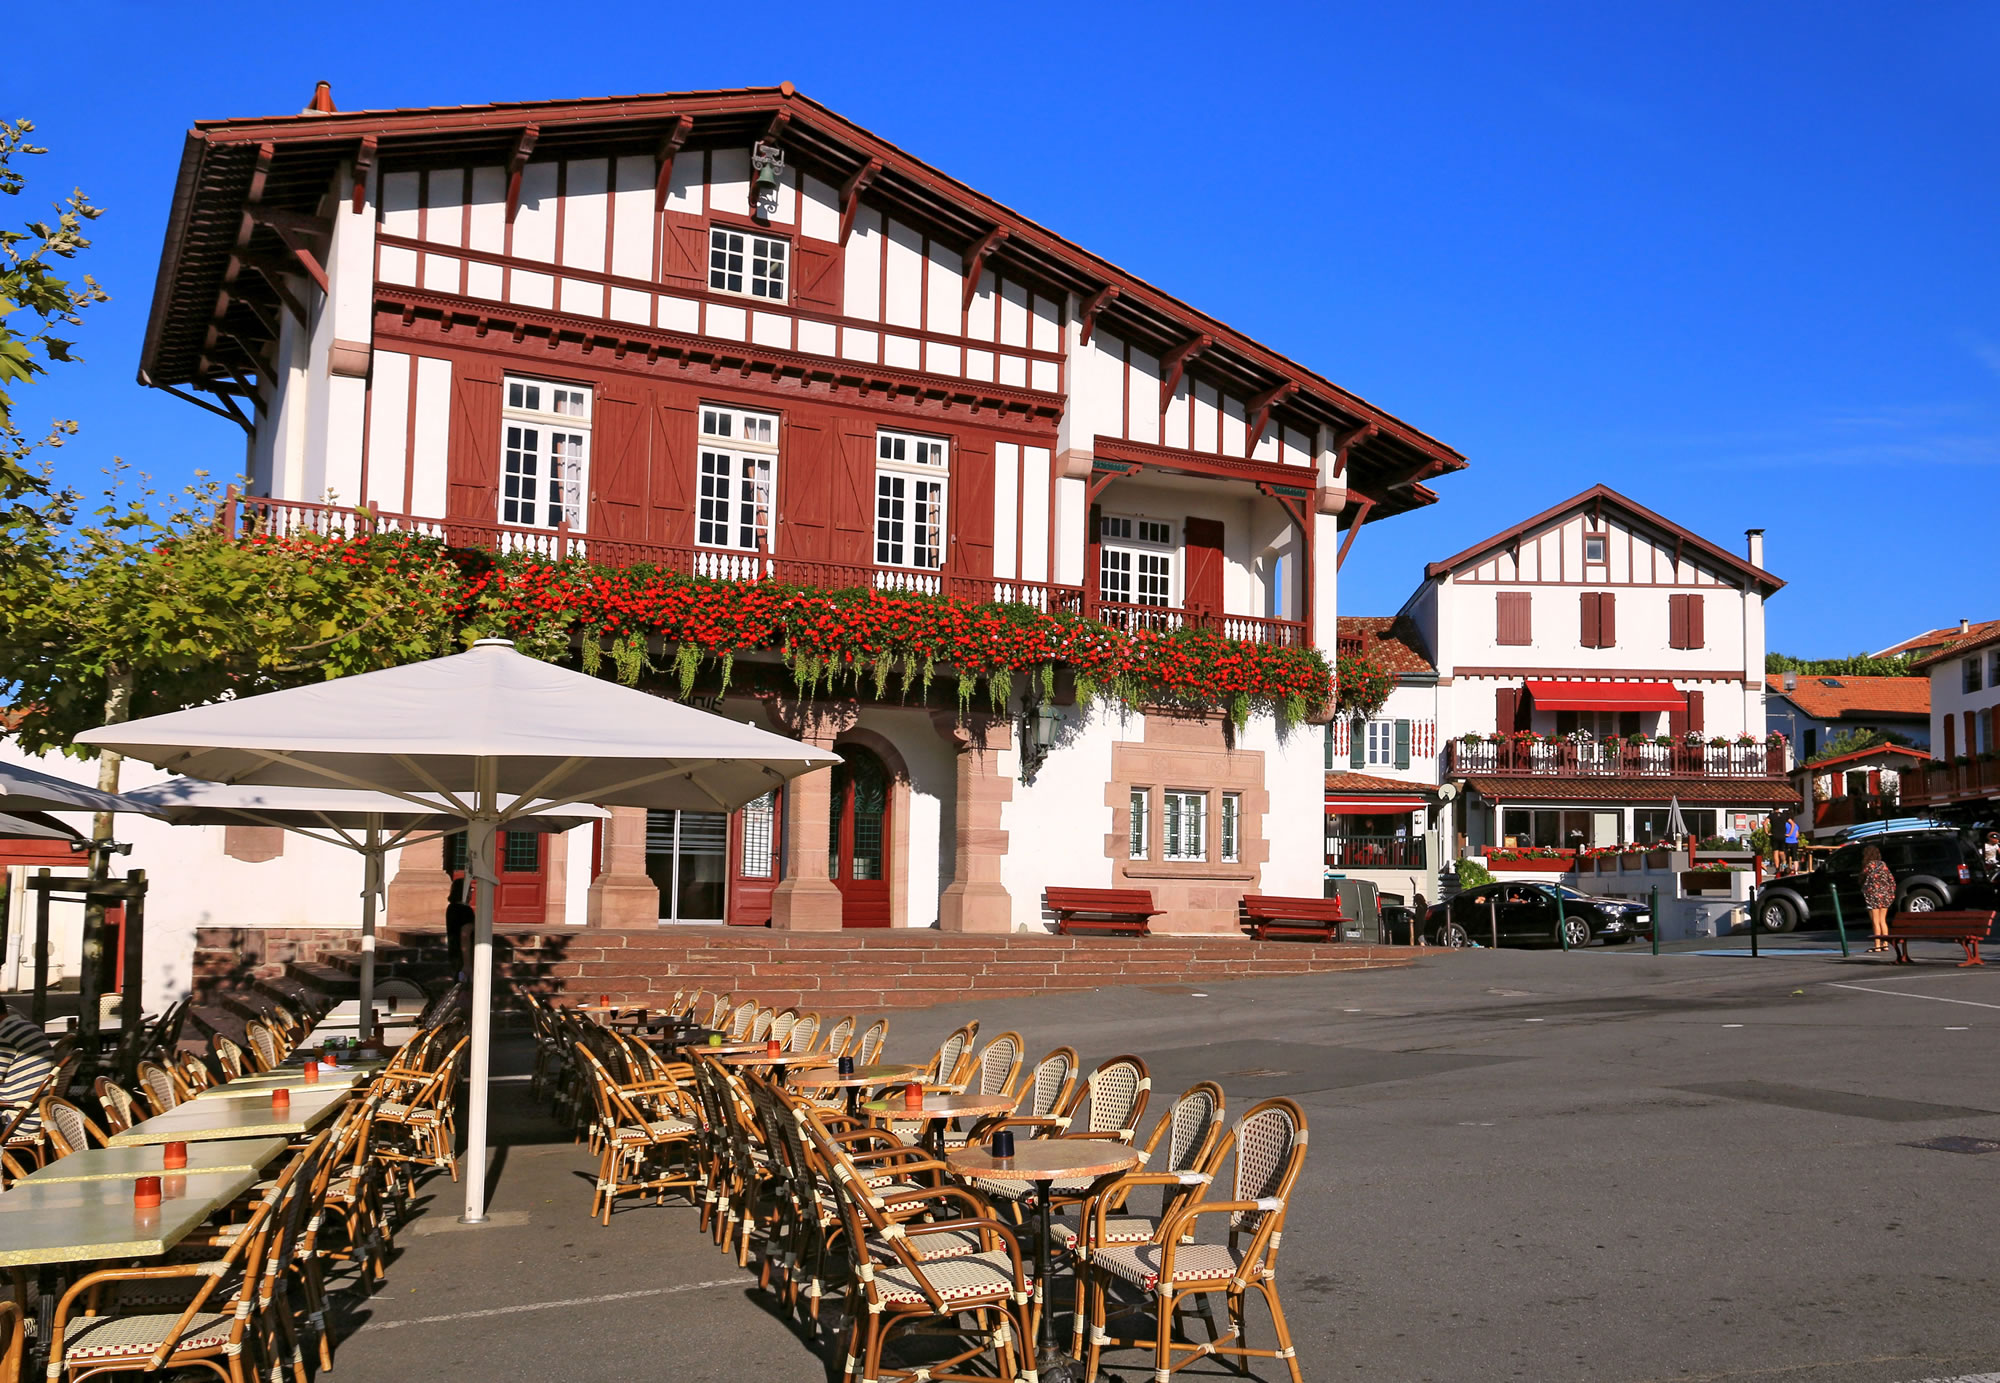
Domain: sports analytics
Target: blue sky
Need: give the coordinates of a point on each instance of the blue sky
(1736, 261)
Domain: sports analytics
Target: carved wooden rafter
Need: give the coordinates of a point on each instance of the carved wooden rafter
(364, 164)
(1174, 365)
(1261, 406)
(1093, 305)
(850, 194)
(670, 145)
(1362, 504)
(524, 145)
(297, 230)
(274, 272)
(1344, 445)
(975, 262)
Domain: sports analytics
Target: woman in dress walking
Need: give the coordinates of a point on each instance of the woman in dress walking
(1878, 895)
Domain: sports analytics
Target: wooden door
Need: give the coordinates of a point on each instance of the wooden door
(522, 894)
(756, 856)
(1201, 589)
(858, 837)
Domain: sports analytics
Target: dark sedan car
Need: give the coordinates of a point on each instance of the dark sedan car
(1526, 914)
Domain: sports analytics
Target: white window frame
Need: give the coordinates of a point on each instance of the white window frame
(759, 856)
(1230, 821)
(1384, 732)
(907, 464)
(1972, 675)
(1603, 540)
(748, 257)
(736, 467)
(1143, 559)
(545, 424)
(1185, 814)
(1139, 831)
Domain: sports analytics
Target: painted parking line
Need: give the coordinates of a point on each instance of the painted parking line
(600, 1300)
(1963, 1378)
(1906, 994)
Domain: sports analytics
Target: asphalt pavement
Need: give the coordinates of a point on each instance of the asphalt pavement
(1604, 1166)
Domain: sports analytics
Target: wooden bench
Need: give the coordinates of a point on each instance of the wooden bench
(1967, 928)
(1315, 919)
(1111, 909)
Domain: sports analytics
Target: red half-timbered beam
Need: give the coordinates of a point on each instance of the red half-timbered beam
(1362, 504)
(1095, 305)
(850, 195)
(776, 129)
(1292, 499)
(1176, 362)
(1261, 406)
(1344, 445)
(524, 145)
(364, 164)
(294, 228)
(670, 145)
(274, 272)
(975, 261)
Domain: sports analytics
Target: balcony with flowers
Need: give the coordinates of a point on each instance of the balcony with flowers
(1525, 754)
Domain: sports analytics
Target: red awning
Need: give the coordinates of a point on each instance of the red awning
(1337, 805)
(1606, 696)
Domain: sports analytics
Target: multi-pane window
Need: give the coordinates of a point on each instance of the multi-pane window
(1142, 824)
(1232, 810)
(1186, 817)
(909, 500)
(687, 856)
(744, 262)
(1593, 549)
(1135, 564)
(1993, 669)
(760, 837)
(1971, 680)
(1381, 743)
(545, 450)
(739, 451)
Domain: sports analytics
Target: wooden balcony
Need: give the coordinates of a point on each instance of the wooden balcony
(1853, 811)
(1562, 759)
(1374, 852)
(243, 516)
(1942, 784)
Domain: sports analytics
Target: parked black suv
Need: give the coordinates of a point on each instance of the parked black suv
(1934, 869)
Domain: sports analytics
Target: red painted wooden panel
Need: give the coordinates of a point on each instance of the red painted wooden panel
(472, 467)
(673, 467)
(816, 277)
(1607, 619)
(618, 481)
(1202, 589)
(972, 508)
(805, 486)
(1697, 631)
(853, 507)
(1694, 714)
(1506, 709)
(1513, 618)
(684, 258)
(1592, 620)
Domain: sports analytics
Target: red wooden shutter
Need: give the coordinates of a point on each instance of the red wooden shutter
(619, 468)
(809, 464)
(1607, 620)
(1677, 621)
(1950, 738)
(1513, 618)
(672, 488)
(853, 508)
(1697, 634)
(684, 252)
(1202, 589)
(1695, 720)
(1506, 709)
(816, 277)
(1591, 624)
(1971, 734)
(472, 465)
(971, 505)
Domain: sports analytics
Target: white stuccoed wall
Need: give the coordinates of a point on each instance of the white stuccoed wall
(1295, 826)
(1056, 826)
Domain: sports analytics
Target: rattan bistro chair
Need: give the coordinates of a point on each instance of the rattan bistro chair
(69, 1129)
(951, 1064)
(267, 1048)
(834, 1040)
(158, 1087)
(120, 1112)
(13, 1342)
(1268, 1150)
(868, 1047)
(1114, 1097)
(804, 1036)
(228, 1057)
(645, 1124)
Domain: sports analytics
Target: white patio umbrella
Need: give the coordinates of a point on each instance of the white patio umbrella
(1677, 826)
(368, 823)
(35, 826)
(24, 789)
(469, 728)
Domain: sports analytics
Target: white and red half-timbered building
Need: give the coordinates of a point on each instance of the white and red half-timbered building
(732, 334)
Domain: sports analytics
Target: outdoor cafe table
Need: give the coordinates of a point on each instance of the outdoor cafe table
(939, 1110)
(114, 1164)
(862, 1078)
(780, 1063)
(1039, 1162)
(251, 1116)
(294, 1080)
(45, 1222)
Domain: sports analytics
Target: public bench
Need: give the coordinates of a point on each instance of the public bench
(1967, 928)
(1313, 919)
(1109, 909)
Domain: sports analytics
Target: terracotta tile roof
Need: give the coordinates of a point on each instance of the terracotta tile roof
(1834, 698)
(1935, 638)
(1392, 640)
(1363, 782)
(1876, 751)
(1954, 642)
(1734, 792)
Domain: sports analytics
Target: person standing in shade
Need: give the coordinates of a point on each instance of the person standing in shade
(458, 916)
(1791, 847)
(26, 1058)
(1878, 895)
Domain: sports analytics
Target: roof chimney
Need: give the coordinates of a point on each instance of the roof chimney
(1756, 537)
(1791, 681)
(1964, 625)
(322, 101)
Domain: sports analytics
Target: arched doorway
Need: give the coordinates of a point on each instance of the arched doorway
(858, 837)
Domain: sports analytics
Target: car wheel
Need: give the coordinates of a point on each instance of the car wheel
(1777, 915)
(1453, 935)
(1575, 931)
(1921, 900)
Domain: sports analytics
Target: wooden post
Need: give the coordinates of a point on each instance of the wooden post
(41, 1005)
(131, 1022)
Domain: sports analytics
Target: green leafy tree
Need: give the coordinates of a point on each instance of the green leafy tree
(34, 305)
(1859, 738)
(1854, 665)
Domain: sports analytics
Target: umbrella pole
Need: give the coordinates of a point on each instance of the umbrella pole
(479, 843)
(371, 887)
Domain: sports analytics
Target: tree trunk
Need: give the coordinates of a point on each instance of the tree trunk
(90, 981)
